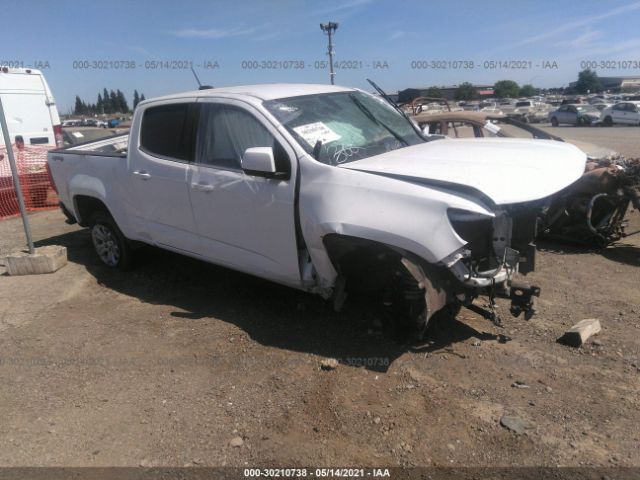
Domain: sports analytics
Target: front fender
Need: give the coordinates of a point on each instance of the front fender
(391, 211)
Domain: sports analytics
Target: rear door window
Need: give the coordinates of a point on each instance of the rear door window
(168, 131)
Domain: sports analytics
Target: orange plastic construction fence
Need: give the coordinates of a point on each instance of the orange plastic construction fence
(37, 189)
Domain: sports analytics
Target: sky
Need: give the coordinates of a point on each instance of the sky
(252, 41)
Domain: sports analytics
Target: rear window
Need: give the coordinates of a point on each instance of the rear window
(167, 131)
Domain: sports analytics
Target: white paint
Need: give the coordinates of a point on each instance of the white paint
(248, 223)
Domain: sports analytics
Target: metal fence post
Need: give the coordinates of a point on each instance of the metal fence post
(16, 179)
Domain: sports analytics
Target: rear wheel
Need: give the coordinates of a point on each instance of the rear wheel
(109, 243)
(554, 122)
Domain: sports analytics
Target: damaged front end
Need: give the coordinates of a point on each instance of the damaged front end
(592, 210)
(497, 248)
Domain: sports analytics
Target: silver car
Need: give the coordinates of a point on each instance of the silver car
(574, 114)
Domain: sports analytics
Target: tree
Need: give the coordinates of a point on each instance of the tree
(122, 101)
(142, 99)
(465, 91)
(434, 92)
(588, 82)
(506, 89)
(527, 90)
(78, 106)
(113, 99)
(136, 99)
(99, 105)
(106, 101)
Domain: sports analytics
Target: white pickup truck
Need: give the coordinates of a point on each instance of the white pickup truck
(322, 188)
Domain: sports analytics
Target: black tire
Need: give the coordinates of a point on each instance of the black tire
(554, 122)
(110, 244)
(608, 121)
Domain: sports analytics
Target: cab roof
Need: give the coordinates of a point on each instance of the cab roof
(267, 91)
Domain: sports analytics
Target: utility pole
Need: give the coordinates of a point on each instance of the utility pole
(329, 28)
(16, 179)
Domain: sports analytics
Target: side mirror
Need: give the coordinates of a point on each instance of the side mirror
(259, 162)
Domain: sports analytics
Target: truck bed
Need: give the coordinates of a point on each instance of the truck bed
(96, 166)
(111, 146)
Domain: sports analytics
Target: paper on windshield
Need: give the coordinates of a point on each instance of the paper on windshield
(492, 127)
(312, 132)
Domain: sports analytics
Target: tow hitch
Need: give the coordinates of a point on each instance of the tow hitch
(522, 300)
(521, 295)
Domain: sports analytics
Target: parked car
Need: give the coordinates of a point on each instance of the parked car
(322, 188)
(529, 111)
(625, 113)
(574, 114)
(94, 122)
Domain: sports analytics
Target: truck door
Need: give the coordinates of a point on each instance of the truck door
(159, 154)
(244, 221)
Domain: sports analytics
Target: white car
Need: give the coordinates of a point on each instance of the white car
(29, 106)
(625, 113)
(322, 188)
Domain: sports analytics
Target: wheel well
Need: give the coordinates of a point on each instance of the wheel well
(86, 206)
(365, 264)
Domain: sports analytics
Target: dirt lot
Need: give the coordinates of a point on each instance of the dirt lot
(622, 138)
(166, 364)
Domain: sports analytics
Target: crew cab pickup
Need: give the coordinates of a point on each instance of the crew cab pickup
(325, 189)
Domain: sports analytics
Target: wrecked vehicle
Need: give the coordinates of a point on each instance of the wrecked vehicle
(322, 188)
(488, 124)
(591, 211)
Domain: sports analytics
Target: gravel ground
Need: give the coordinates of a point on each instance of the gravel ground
(182, 363)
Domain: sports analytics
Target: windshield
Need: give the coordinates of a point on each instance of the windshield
(344, 127)
(523, 104)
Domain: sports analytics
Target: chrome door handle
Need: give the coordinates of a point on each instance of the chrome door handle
(203, 187)
(142, 174)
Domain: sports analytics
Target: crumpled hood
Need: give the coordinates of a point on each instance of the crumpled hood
(507, 170)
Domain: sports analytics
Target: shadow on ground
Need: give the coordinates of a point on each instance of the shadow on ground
(271, 314)
(619, 252)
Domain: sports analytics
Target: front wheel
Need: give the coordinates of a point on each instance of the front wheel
(608, 121)
(109, 243)
(554, 122)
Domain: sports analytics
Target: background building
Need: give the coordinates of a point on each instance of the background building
(448, 92)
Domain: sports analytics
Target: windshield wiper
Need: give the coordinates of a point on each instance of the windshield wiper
(373, 118)
(384, 95)
(316, 149)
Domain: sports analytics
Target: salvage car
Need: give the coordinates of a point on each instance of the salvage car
(592, 211)
(574, 114)
(488, 124)
(322, 188)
